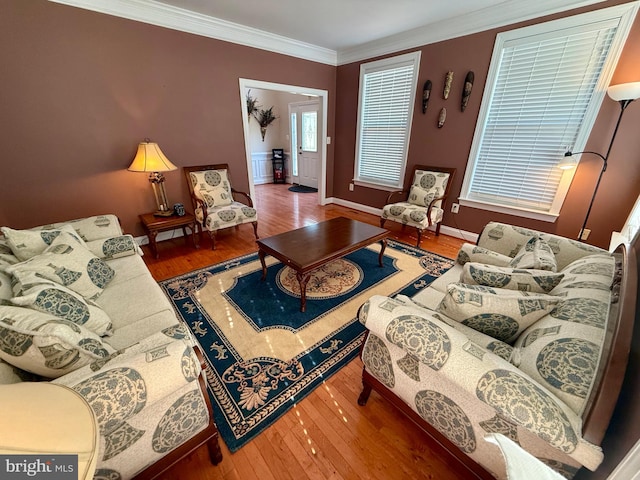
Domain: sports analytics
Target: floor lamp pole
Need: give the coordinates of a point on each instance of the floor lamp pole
(623, 104)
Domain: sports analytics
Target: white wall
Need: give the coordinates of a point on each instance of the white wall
(277, 135)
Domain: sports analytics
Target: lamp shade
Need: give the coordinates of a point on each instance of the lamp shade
(624, 91)
(568, 162)
(150, 158)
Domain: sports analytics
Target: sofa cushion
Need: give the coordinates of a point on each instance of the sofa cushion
(536, 281)
(114, 247)
(26, 244)
(64, 303)
(562, 356)
(535, 254)
(473, 253)
(68, 262)
(46, 345)
(502, 314)
(91, 228)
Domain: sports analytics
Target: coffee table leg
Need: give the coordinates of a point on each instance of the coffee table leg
(261, 255)
(302, 280)
(383, 243)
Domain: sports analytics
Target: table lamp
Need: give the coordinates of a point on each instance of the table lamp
(150, 158)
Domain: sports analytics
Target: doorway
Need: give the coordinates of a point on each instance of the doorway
(321, 128)
(303, 132)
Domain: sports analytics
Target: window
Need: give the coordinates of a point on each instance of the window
(545, 86)
(385, 111)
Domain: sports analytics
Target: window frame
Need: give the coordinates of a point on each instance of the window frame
(390, 63)
(625, 15)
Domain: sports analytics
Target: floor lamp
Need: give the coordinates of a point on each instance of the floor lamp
(624, 93)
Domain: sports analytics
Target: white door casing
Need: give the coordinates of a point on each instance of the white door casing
(304, 118)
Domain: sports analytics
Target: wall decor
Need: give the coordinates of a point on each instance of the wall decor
(466, 90)
(448, 80)
(442, 117)
(426, 93)
(252, 105)
(265, 118)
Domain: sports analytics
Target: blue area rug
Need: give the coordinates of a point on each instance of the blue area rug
(263, 354)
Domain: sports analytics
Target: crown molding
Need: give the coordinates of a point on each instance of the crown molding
(505, 13)
(162, 15)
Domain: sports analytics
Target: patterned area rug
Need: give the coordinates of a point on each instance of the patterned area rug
(263, 354)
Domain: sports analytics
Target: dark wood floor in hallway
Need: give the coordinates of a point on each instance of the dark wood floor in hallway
(327, 435)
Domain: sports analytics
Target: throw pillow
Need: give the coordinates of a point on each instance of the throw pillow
(473, 253)
(212, 187)
(26, 244)
(501, 314)
(536, 254)
(113, 247)
(67, 262)
(427, 186)
(63, 303)
(537, 281)
(46, 345)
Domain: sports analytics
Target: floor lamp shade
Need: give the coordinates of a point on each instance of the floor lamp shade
(149, 158)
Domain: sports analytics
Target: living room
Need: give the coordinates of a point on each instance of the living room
(81, 89)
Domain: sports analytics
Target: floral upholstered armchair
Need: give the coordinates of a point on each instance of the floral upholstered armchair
(423, 201)
(213, 200)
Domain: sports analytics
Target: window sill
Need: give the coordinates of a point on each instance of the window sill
(377, 186)
(519, 212)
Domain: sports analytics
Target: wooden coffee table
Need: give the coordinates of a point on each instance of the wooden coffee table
(313, 246)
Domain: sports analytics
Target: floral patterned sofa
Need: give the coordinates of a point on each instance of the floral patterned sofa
(79, 308)
(527, 336)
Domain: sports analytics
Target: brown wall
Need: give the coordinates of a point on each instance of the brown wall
(81, 89)
(450, 145)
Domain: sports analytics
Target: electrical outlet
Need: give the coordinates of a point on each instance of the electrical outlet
(351, 187)
(455, 207)
(585, 234)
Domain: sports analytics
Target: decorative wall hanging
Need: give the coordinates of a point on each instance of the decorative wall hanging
(448, 79)
(466, 90)
(426, 93)
(252, 105)
(442, 117)
(265, 118)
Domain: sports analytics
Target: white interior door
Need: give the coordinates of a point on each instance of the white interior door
(305, 154)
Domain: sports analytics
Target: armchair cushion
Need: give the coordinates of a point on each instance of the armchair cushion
(219, 217)
(502, 314)
(212, 187)
(427, 186)
(536, 281)
(412, 214)
(68, 262)
(46, 345)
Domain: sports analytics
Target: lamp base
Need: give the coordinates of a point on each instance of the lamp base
(162, 213)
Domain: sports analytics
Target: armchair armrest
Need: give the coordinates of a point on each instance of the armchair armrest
(404, 193)
(243, 194)
(458, 364)
(199, 203)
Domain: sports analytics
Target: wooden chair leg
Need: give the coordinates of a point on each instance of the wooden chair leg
(215, 454)
(364, 395)
(212, 235)
(382, 222)
(419, 237)
(438, 229)
(255, 229)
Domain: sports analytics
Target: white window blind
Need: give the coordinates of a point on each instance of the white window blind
(535, 106)
(387, 94)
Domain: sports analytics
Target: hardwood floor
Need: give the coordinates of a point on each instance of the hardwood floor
(327, 435)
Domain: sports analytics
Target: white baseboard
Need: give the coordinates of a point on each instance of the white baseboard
(168, 235)
(451, 231)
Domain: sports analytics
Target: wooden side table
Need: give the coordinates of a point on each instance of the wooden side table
(153, 225)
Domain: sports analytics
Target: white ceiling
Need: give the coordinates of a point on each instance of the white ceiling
(330, 31)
